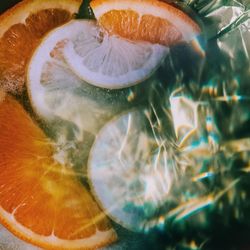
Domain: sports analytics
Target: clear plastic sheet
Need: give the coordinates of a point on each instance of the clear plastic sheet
(208, 110)
(199, 116)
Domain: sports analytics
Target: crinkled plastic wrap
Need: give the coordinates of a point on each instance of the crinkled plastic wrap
(206, 109)
(199, 119)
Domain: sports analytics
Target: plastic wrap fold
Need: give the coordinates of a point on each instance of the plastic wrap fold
(202, 112)
(198, 115)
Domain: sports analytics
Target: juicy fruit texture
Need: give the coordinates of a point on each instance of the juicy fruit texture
(145, 20)
(21, 29)
(104, 61)
(108, 61)
(57, 93)
(41, 200)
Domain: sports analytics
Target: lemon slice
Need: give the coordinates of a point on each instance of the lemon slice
(56, 93)
(130, 174)
(109, 61)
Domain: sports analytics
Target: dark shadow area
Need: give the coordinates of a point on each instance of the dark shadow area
(4, 5)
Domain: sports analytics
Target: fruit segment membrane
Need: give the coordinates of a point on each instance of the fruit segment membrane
(140, 28)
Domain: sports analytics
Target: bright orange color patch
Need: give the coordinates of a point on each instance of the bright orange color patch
(23, 26)
(127, 23)
(144, 20)
(44, 197)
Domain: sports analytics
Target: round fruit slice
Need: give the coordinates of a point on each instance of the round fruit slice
(41, 200)
(130, 174)
(108, 61)
(145, 20)
(21, 28)
(56, 92)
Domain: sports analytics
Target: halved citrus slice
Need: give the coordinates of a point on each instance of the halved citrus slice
(145, 20)
(21, 28)
(41, 200)
(130, 174)
(108, 61)
(56, 92)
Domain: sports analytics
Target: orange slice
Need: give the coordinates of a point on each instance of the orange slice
(42, 201)
(147, 20)
(21, 28)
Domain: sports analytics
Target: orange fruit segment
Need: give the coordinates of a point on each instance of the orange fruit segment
(42, 201)
(145, 20)
(21, 28)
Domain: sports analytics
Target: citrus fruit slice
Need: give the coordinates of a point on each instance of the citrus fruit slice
(21, 28)
(130, 174)
(145, 20)
(108, 61)
(57, 93)
(41, 200)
